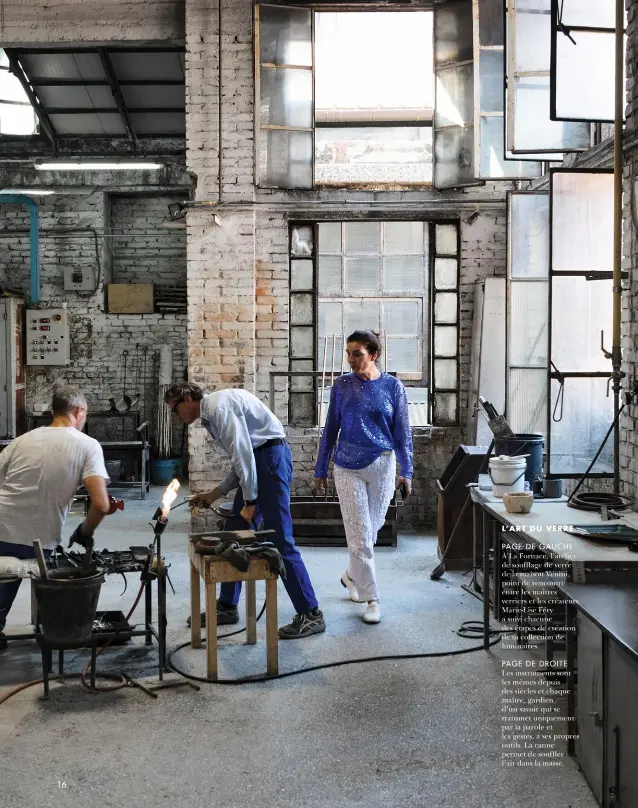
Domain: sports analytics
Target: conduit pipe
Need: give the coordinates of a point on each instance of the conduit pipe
(34, 241)
(616, 352)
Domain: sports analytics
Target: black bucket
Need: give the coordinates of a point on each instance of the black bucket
(67, 602)
(524, 444)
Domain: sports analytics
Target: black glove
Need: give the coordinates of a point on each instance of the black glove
(80, 537)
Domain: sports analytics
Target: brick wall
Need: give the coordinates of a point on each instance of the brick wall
(76, 230)
(143, 250)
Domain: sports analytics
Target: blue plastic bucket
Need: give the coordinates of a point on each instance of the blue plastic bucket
(163, 471)
(524, 444)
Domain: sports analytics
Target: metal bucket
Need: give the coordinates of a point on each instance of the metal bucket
(67, 602)
(113, 469)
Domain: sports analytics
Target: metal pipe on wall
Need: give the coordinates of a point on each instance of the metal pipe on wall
(616, 351)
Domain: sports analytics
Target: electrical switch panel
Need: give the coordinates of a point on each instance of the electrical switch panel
(79, 279)
(47, 336)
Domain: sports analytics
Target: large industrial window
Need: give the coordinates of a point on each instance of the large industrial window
(492, 161)
(16, 113)
(527, 310)
(582, 60)
(374, 98)
(581, 258)
(529, 128)
(399, 278)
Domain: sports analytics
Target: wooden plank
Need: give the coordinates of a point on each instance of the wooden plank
(196, 626)
(211, 630)
(251, 613)
(272, 631)
(130, 298)
(216, 570)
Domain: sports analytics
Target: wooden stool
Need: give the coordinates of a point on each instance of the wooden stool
(215, 570)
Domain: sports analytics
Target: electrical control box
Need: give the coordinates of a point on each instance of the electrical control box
(79, 279)
(47, 337)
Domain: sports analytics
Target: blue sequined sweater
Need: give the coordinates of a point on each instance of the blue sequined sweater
(370, 417)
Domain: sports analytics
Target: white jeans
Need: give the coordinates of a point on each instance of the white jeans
(364, 496)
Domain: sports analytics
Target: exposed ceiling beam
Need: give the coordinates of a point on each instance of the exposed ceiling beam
(18, 72)
(117, 93)
(46, 82)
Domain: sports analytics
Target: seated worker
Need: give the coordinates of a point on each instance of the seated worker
(262, 468)
(39, 474)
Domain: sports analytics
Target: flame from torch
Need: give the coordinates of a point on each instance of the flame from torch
(169, 496)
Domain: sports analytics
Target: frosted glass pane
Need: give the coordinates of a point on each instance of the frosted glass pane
(528, 235)
(335, 360)
(445, 340)
(402, 355)
(532, 35)
(446, 241)
(285, 159)
(301, 274)
(301, 342)
(329, 273)
(493, 164)
(330, 321)
(403, 237)
(301, 242)
(402, 317)
(445, 307)
(361, 316)
(445, 373)
(453, 33)
(330, 237)
(527, 400)
(301, 383)
(302, 409)
(301, 309)
(285, 97)
(491, 80)
(405, 273)
(582, 222)
(589, 13)
(580, 311)
(446, 273)
(361, 274)
(445, 408)
(285, 35)
(528, 323)
(362, 237)
(454, 96)
(587, 415)
(491, 22)
(533, 130)
(454, 157)
(585, 75)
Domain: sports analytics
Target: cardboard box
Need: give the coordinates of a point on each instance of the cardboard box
(130, 298)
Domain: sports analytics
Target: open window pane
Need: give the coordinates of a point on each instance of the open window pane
(489, 97)
(529, 128)
(454, 92)
(583, 63)
(587, 413)
(581, 309)
(373, 155)
(582, 220)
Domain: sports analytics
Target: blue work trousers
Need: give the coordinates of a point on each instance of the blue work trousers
(274, 478)
(9, 590)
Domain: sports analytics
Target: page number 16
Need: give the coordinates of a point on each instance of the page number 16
(62, 784)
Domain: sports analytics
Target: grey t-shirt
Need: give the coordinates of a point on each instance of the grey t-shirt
(39, 474)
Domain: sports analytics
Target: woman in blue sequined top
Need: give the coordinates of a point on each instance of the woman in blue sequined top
(368, 413)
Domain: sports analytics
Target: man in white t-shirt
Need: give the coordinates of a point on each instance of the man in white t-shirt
(39, 474)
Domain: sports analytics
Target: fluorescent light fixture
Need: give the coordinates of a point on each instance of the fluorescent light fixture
(96, 165)
(28, 191)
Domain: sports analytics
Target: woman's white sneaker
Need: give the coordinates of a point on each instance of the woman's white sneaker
(373, 613)
(348, 583)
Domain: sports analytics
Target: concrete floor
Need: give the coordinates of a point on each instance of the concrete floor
(403, 733)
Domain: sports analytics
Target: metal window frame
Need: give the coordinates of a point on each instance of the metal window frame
(551, 375)
(257, 66)
(508, 298)
(554, 64)
(433, 389)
